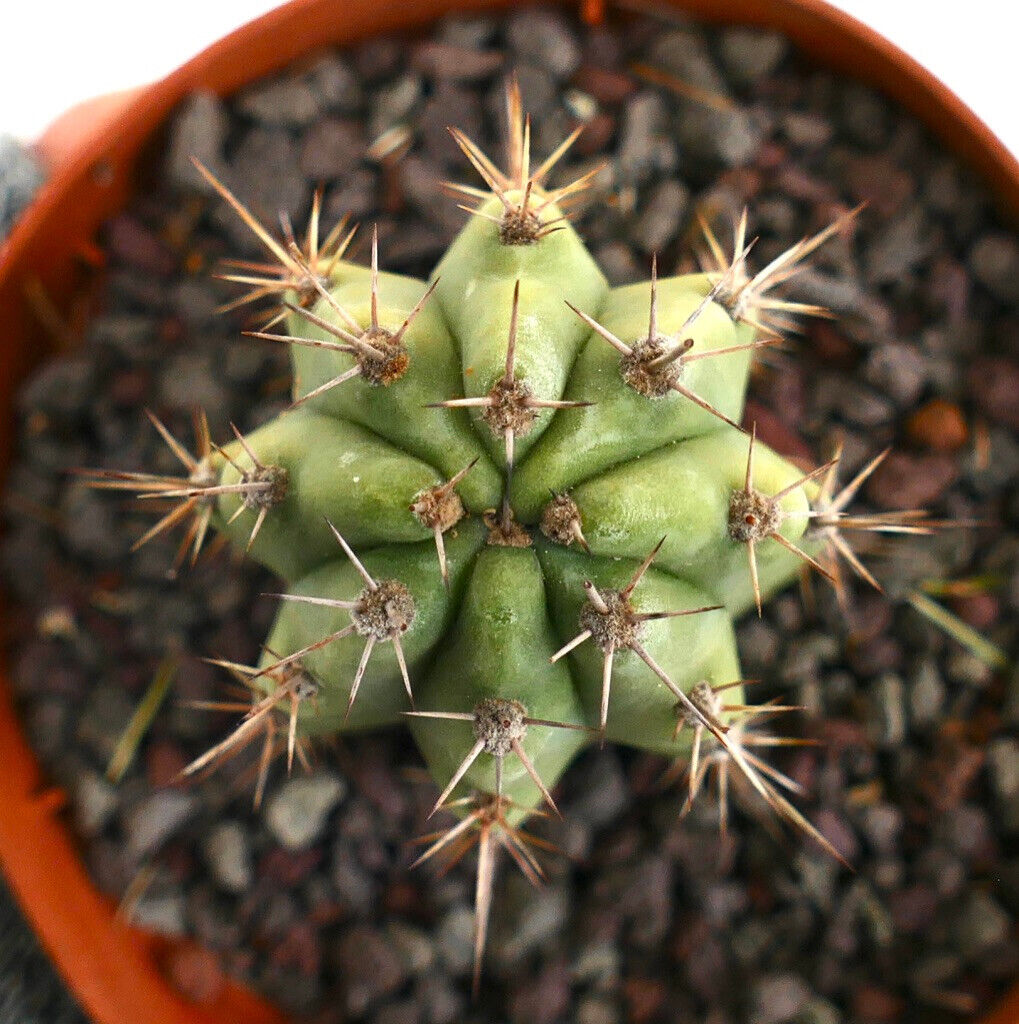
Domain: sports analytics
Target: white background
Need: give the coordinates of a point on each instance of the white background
(57, 52)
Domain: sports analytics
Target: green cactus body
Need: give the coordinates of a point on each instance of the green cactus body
(514, 505)
(637, 467)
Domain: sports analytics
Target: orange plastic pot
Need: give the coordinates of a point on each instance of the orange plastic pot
(116, 972)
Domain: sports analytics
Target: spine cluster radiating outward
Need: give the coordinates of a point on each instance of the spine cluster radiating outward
(514, 507)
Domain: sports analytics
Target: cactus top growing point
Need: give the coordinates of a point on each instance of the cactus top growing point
(513, 506)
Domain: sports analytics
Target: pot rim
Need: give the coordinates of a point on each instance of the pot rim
(115, 971)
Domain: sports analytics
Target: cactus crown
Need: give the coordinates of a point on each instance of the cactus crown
(514, 505)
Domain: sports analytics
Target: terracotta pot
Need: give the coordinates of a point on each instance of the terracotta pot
(116, 972)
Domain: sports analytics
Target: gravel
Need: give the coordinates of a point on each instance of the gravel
(310, 900)
(297, 813)
(20, 177)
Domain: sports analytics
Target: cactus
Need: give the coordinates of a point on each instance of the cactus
(514, 507)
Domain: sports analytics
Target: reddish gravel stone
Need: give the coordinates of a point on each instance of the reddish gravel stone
(978, 610)
(194, 971)
(905, 481)
(913, 909)
(994, 385)
(604, 85)
(164, 761)
(132, 242)
(455, 63)
(300, 949)
(544, 999)
(775, 433)
(644, 998)
(597, 134)
(288, 867)
(879, 182)
(939, 425)
(832, 347)
(873, 1005)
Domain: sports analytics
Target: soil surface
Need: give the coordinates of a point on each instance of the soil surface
(650, 917)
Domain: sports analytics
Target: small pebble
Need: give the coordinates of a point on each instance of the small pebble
(980, 925)
(297, 812)
(283, 102)
(778, 998)
(939, 426)
(750, 54)
(227, 850)
(198, 132)
(994, 260)
(152, 821)
(543, 38)
(194, 972)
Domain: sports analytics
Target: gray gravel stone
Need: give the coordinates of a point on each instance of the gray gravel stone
(898, 246)
(777, 998)
(20, 177)
(353, 881)
(265, 174)
(597, 963)
(595, 1010)
(405, 1012)
(154, 819)
(645, 146)
(818, 1011)
(281, 102)
(750, 54)
(805, 129)
(92, 528)
(198, 130)
(897, 369)
(994, 260)
(882, 825)
(888, 721)
(296, 813)
(1003, 770)
(371, 967)
(454, 939)
(60, 387)
(163, 912)
(192, 379)
(415, 946)
(440, 1001)
(95, 802)
(980, 925)
(926, 695)
(538, 915)
(604, 794)
(393, 104)
(227, 850)
(661, 216)
(684, 54)
(103, 718)
(544, 38)
(333, 81)
(331, 148)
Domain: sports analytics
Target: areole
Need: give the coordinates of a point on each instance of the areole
(94, 155)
